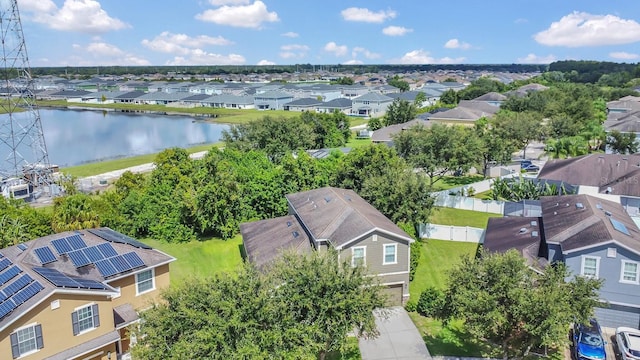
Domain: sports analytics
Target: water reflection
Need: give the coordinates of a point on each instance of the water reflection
(75, 136)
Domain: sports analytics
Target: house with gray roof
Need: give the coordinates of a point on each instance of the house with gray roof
(303, 104)
(492, 98)
(594, 237)
(371, 104)
(340, 219)
(342, 105)
(386, 134)
(228, 101)
(271, 100)
(466, 113)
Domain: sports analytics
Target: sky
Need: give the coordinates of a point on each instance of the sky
(283, 32)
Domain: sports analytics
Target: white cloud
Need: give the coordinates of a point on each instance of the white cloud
(104, 54)
(228, 2)
(582, 29)
(621, 55)
(423, 57)
(366, 15)
(200, 57)
(293, 51)
(290, 34)
(457, 44)
(521, 21)
(182, 44)
(353, 62)
(337, 50)
(248, 16)
(396, 30)
(86, 16)
(265, 62)
(367, 54)
(535, 59)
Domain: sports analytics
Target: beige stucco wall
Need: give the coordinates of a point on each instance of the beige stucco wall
(128, 289)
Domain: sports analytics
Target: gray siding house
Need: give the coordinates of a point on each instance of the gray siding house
(371, 104)
(335, 218)
(272, 100)
(594, 237)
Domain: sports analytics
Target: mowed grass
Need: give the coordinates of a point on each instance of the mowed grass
(458, 217)
(438, 258)
(97, 168)
(449, 182)
(201, 258)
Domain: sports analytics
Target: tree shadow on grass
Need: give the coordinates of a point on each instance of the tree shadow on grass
(462, 180)
(450, 340)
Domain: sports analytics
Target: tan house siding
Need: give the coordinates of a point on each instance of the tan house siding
(57, 327)
(127, 287)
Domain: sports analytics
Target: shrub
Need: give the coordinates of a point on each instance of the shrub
(411, 306)
(431, 302)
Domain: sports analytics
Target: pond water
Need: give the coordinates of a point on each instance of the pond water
(75, 137)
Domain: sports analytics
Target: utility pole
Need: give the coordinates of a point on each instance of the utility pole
(23, 152)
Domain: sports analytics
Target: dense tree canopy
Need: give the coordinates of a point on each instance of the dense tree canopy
(400, 111)
(301, 307)
(505, 302)
(399, 83)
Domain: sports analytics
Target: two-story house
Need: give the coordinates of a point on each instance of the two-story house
(332, 217)
(75, 295)
(594, 237)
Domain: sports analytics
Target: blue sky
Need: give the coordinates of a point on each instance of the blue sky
(264, 32)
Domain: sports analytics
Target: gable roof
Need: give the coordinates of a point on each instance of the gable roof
(373, 96)
(628, 122)
(265, 240)
(613, 172)
(386, 133)
(337, 103)
(582, 221)
(491, 96)
(24, 261)
(304, 102)
(340, 216)
(520, 233)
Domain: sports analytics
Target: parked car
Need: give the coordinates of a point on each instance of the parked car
(588, 343)
(525, 163)
(628, 341)
(531, 167)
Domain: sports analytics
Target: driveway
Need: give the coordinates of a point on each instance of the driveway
(399, 339)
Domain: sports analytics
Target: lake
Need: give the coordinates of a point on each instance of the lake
(75, 137)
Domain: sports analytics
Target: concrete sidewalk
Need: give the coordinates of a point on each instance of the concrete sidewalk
(399, 339)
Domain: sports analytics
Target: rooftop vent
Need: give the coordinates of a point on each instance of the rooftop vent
(522, 230)
(327, 199)
(609, 190)
(289, 224)
(566, 205)
(599, 206)
(534, 234)
(579, 206)
(295, 234)
(534, 223)
(608, 213)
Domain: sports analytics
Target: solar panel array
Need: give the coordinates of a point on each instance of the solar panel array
(45, 255)
(68, 244)
(61, 280)
(119, 264)
(14, 293)
(112, 236)
(91, 254)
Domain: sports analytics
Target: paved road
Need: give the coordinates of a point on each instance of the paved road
(399, 339)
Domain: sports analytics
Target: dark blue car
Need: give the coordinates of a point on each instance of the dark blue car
(588, 343)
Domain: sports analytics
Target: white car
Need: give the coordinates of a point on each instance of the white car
(628, 340)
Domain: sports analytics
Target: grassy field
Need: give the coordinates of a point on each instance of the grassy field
(201, 258)
(96, 168)
(457, 217)
(449, 182)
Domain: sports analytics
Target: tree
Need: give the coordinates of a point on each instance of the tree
(74, 212)
(399, 83)
(449, 97)
(439, 150)
(343, 81)
(300, 306)
(399, 112)
(494, 148)
(522, 128)
(518, 189)
(504, 302)
(622, 143)
(365, 162)
(420, 99)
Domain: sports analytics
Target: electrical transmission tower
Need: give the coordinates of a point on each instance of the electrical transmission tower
(23, 153)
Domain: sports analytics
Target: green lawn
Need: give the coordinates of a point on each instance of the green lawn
(449, 182)
(97, 168)
(437, 259)
(354, 143)
(201, 258)
(457, 217)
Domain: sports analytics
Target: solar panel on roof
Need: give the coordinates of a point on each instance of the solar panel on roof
(62, 246)
(21, 282)
(120, 263)
(133, 259)
(90, 284)
(78, 258)
(114, 236)
(105, 268)
(27, 293)
(107, 250)
(4, 263)
(619, 226)
(3, 297)
(6, 308)
(22, 246)
(93, 253)
(9, 274)
(45, 255)
(57, 278)
(76, 242)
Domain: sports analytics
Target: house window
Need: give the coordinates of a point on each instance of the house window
(358, 255)
(145, 282)
(590, 266)
(85, 319)
(390, 254)
(26, 340)
(629, 272)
